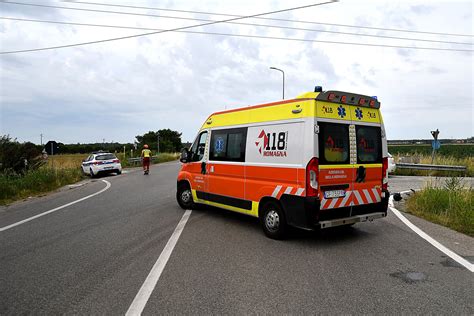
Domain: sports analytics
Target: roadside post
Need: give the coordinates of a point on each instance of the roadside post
(435, 144)
(51, 148)
(158, 141)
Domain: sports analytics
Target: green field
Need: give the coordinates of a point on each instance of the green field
(449, 150)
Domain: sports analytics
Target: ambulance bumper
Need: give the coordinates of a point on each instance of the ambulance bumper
(351, 220)
(305, 212)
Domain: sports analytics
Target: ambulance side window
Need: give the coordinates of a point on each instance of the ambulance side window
(199, 146)
(333, 143)
(369, 144)
(228, 145)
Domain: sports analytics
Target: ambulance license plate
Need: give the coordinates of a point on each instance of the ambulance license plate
(334, 194)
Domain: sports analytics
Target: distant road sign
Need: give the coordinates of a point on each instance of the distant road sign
(436, 144)
(52, 148)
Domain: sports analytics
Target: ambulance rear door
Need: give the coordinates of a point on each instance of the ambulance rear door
(335, 170)
(366, 150)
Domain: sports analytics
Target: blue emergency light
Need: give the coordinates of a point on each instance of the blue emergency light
(318, 89)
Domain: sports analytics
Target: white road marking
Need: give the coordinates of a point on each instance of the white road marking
(148, 286)
(2, 229)
(429, 239)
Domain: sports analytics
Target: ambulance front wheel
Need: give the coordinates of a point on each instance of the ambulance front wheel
(185, 196)
(273, 220)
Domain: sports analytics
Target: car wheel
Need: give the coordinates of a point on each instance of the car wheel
(91, 173)
(273, 220)
(185, 196)
(119, 172)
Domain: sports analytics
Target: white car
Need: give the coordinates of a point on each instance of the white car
(391, 164)
(101, 163)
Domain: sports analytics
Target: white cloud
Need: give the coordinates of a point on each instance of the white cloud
(121, 89)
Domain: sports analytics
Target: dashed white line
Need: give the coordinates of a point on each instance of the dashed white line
(138, 304)
(2, 229)
(429, 239)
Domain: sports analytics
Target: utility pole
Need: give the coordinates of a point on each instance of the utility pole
(41, 135)
(283, 73)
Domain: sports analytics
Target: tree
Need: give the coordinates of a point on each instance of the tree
(170, 141)
(13, 154)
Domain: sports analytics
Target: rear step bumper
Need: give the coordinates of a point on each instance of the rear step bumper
(351, 220)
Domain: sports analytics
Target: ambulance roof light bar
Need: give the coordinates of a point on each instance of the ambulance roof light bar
(349, 98)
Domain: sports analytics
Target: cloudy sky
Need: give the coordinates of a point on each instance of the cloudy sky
(117, 90)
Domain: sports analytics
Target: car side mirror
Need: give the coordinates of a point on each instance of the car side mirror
(184, 156)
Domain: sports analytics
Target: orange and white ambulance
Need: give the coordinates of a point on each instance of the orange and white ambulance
(316, 161)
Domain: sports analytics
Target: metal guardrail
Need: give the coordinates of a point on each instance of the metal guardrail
(138, 160)
(418, 166)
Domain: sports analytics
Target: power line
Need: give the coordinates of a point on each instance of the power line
(272, 26)
(270, 19)
(243, 36)
(236, 23)
(170, 30)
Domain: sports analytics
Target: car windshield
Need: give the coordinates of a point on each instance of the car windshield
(106, 157)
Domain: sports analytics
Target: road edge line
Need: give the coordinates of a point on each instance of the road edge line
(2, 229)
(140, 300)
(469, 266)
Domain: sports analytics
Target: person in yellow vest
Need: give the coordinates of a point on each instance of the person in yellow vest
(146, 155)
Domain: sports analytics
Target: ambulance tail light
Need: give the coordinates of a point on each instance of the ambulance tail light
(312, 174)
(385, 173)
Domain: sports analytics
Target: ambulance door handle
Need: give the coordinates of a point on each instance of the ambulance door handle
(211, 169)
(361, 172)
(296, 111)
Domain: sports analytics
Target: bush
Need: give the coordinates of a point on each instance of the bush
(449, 204)
(13, 155)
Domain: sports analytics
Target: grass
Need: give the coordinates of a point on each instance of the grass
(439, 160)
(449, 205)
(58, 171)
(16, 187)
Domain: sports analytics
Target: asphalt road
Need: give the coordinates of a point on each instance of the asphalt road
(92, 258)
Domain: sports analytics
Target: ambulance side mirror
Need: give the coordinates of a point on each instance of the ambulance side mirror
(184, 156)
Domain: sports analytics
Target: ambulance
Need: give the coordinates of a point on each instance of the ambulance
(317, 161)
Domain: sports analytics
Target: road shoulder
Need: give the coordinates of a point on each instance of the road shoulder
(460, 243)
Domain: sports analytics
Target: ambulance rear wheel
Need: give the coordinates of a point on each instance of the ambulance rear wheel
(185, 196)
(273, 220)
